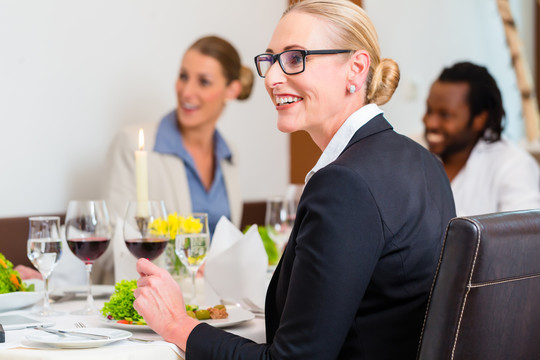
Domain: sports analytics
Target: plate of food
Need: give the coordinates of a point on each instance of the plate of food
(73, 339)
(235, 316)
(119, 312)
(15, 293)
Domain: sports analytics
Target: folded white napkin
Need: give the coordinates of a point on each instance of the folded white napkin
(236, 265)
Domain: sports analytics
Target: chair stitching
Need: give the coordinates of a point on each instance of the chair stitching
(431, 290)
(478, 239)
(497, 282)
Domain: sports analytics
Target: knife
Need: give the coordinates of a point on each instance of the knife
(73, 333)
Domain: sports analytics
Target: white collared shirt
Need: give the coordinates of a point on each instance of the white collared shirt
(498, 176)
(344, 134)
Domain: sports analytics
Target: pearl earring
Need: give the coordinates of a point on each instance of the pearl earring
(352, 89)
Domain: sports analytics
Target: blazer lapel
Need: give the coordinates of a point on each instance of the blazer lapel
(373, 126)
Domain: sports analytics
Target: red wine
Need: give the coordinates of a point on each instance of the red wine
(146, 248)
(88, 249)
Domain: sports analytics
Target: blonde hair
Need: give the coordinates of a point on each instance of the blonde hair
(354, 30)
(228, 57)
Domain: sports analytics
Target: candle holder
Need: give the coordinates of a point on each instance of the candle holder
(142, 224)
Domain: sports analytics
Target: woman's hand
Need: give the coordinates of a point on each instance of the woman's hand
(28, 273)
(159, 300)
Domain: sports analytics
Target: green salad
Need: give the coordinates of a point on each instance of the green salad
(10, 280)
(120, 305)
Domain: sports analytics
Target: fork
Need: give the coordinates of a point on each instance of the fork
(81, 325)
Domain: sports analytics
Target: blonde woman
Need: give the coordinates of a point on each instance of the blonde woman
(355, 276)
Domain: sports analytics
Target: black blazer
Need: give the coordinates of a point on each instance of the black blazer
(354, 279)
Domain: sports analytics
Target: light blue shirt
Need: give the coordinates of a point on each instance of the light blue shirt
(215, 202)
(344, 134)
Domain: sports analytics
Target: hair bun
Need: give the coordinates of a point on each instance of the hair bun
(246, 80)
(384, 82)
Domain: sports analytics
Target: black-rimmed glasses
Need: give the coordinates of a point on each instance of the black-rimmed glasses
(291, 61)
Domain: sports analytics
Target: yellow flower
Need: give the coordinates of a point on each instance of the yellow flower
(189, 225)
(159, 227)
(196, 260)
(175, 224)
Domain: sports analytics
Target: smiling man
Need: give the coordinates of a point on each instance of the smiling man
(463, 125)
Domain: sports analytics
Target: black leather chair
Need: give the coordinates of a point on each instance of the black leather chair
(485, 300)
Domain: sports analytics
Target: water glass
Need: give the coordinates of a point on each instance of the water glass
(44, 248)
(192, 243)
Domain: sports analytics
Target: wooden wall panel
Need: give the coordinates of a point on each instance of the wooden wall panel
(303, 151)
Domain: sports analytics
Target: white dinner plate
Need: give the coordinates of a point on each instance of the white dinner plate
(21, 299)
(236, 316)
(78, 342)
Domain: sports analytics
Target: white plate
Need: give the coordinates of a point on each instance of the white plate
(78, 342)
(21, 299)
(80, 291)
(236, 316)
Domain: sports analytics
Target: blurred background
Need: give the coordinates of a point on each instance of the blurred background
(73, 72)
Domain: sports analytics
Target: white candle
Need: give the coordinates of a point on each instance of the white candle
(141, 173)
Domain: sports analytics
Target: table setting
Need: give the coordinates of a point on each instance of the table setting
(225, 287)
(68, 322)
(129, 341)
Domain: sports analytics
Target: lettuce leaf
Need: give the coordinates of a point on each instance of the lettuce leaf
(120, 305)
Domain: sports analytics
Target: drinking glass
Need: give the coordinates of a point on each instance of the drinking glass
(44, 248)
(192, 243)
(88, 233)
(278, 221)
(143, 235)
(292, 198)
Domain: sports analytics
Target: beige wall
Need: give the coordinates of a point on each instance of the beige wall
(73, 72)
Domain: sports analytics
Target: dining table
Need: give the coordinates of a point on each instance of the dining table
(17, 344)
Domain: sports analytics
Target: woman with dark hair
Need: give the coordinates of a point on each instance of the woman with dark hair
(354, 279)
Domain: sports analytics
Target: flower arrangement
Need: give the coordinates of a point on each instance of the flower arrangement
(169, 227)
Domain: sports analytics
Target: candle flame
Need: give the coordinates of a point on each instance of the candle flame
(141, 139)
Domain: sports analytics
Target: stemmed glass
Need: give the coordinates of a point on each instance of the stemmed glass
(44, 248)
(292, 198)
(143, 236)
(88, 233)
(192, 243)
(278, 221)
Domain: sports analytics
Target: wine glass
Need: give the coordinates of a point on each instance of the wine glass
(278, 221)
(88, 233)
(192, 243)
(292, 198)
(144, 235)
(44, 248)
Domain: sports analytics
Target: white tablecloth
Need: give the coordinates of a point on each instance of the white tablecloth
(17, 347)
